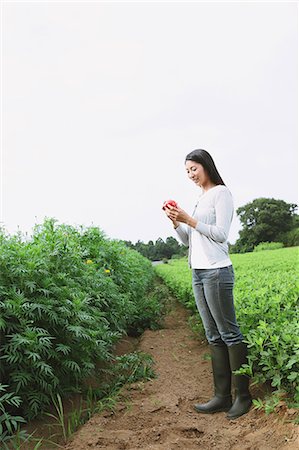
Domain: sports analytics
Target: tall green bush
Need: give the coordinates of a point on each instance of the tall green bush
(267, 246)
(66, 296)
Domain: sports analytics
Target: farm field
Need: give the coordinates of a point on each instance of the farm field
(70, 296)
(159, 414)
(266, 300)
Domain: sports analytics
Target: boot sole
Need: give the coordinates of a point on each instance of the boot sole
(239, 415)
(212, 412)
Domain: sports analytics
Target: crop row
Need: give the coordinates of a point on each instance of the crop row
(66, 296)
(266, 302)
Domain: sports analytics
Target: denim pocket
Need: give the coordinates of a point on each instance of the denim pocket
(227, 273)
(211, 274)
(205, 274)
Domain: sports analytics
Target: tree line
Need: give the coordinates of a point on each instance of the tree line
(160, 249)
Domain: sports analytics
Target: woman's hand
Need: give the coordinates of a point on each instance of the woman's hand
(177, 214)
(171, 216)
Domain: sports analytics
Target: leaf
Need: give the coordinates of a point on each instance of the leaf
(293, 376)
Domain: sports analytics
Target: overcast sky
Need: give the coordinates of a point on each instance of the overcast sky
(102, 102)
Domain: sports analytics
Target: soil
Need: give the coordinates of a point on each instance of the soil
(159, 414)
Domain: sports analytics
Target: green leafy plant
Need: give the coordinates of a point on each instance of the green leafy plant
(270, 403)
(67, 295)
(9, 423)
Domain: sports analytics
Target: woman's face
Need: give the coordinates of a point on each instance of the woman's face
(196, 173)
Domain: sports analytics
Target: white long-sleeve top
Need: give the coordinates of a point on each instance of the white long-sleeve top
(207, 242)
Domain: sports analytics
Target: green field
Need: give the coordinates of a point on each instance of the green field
(69, 294)
(266, 302)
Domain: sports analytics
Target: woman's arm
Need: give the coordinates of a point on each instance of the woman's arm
(179, 228)
(224, 210)
(182, 234)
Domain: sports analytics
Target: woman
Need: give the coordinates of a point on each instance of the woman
(206, 233)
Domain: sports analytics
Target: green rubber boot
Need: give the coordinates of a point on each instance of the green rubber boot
(222, 400)
(243, 400)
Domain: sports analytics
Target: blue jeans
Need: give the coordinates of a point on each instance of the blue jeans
(213, 292)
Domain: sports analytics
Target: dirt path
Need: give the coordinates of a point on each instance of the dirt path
(159, 414)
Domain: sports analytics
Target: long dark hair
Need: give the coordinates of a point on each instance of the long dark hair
(205, 159)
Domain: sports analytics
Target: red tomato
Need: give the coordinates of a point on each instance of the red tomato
(168, 203)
